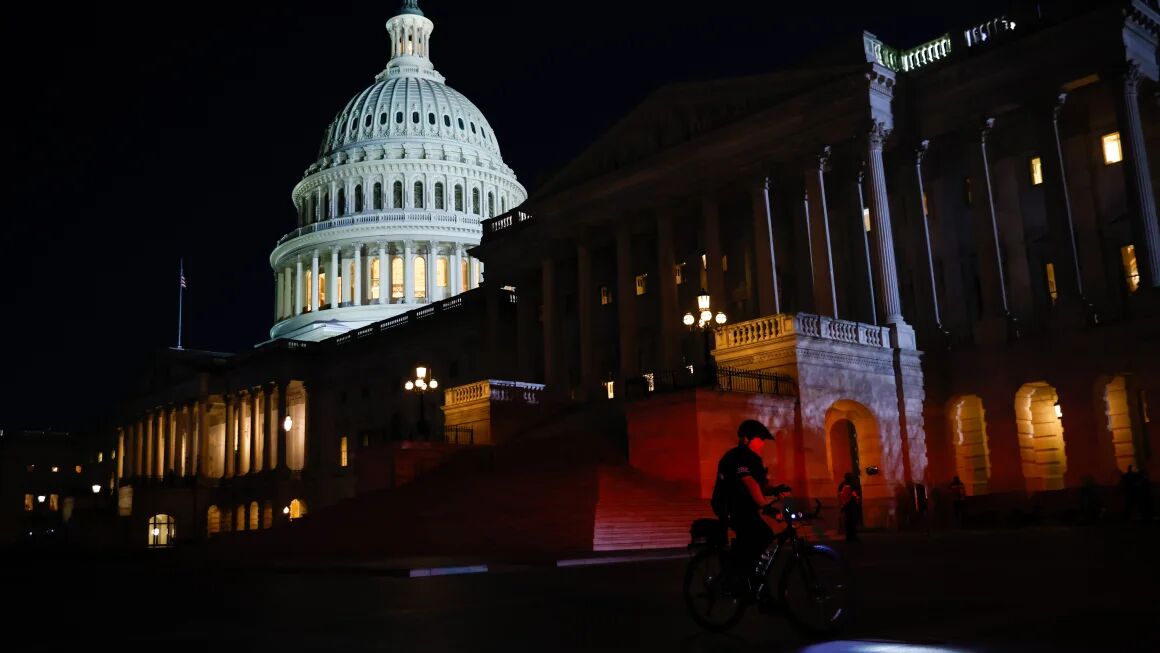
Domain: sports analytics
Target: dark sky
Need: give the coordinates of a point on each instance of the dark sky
(141, 135)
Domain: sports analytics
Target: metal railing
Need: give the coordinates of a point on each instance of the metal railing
(725, 379)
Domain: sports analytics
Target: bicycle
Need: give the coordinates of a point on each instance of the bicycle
(815, 586)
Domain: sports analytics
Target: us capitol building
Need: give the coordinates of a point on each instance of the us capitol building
(913, 263)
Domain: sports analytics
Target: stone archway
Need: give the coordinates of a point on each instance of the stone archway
(1039, 422)
(968, 429)
(853, 444)
(1118, 411)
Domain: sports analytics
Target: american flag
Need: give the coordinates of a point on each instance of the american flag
(182, 274)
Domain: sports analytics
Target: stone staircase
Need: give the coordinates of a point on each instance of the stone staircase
(634, 511)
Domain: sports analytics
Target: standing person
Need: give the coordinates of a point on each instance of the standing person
(739, 495)
(850, 503)
(1130, 484)
(959, 500)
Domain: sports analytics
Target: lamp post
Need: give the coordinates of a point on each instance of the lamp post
(706, 322)
(420, 385)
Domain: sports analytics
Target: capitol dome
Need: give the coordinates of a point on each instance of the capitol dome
(405, 174)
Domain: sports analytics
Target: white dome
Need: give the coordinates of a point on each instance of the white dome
(407, 109)
(405, 175)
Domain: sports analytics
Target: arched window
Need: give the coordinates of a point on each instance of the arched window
(461, 123)
(383, 118)
(374, 290)
(420, 289)
(1119, 409)
(446, 120)
(1042, 447)
(397, 277)
(490, 204)
(213, 521)
(475, 201)
(358, 199)
(439, 204)
(503, 203)
(342, 201)
(297, 509)
(254, 516)
(240, 519)
(397, 195)
(415, 117)
(398, 116)
(378, 196)
(969, 436)
(321, 288)
(161, 531)
(430, 118)
(367, 122)
(473, 128)
(458, 197)
(326, 205)
(225, 519)
(418, 194)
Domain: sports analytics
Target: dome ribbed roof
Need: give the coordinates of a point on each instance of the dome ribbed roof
(408, 109)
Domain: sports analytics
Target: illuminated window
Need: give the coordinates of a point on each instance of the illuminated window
(342, 459)
(297, 509)
(1112, 152)
(78, 469)
(397, 195)
(1131, 270)
(55, 469)
(475, 201)
(254, 515)
(420, 289)
(374, 289)
(358, 199)
(28, 503)
(724, 263)
(100, 456)
(441, 271)
(54, 502)
(397, 289)
(439, 203)
(321, 288)
(866, 218)
(161, 531)
(213, 521)
(679, 273)
(1036, 171)
(610, 388)
(1049, 270)
(641, 284)
(378, 195)
(465, 273)
(605, 295)
(240, 519)
(458, 197)
(418, 194)
(267, 515)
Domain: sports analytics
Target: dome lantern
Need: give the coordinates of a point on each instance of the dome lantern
(410, 33)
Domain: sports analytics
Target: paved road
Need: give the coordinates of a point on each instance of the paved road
(1091, 589)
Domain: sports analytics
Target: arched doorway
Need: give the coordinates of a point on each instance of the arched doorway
(852, 445)
(843, 446)
(1121, 426)
(1039, 421)
(968, 428)
(213, 521)
(162, 531)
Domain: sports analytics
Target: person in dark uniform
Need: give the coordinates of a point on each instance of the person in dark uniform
(741, 490)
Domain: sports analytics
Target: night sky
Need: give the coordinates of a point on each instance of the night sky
(142, 135)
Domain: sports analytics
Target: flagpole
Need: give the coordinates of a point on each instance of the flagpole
(180, 298)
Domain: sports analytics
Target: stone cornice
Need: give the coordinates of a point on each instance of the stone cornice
(408, 170)
(375, 232)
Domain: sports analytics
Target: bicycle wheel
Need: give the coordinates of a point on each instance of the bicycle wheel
(707, 595)
(817, 590)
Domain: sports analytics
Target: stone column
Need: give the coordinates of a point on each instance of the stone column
(768, 297)
(456, 271)
(147, 470)
(548, 299)
(356, 294)
(625, 301)
(230, 433)
(253, 465)
(1068, 278)
(332, 279)
(200, 439)
(432, 254)
(408, 274)
(278, 307)
(584, 292)
(298, 286)
(711, 223)
(1138, 179)
(274, 417)
(825, 289)
(473, 273)
(670, 318)
(314, 285)
(288, 292)
(919, 154)
(283, 411)
(889, 303)
(988, 124)
(384, 275)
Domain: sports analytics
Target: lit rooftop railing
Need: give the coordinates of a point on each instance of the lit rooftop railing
(984, 32)
(927, 53)
(497, 226)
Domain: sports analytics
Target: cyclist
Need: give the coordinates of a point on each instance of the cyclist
(739, 495)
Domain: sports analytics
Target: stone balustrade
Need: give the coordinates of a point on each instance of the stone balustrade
(880, 53)
(927, 53)
(494, 390)
(413, 217)
(983, 32)
(784, 325)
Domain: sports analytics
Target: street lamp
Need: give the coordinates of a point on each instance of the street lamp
(420, 385)
(287, 424)
(704, 321)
